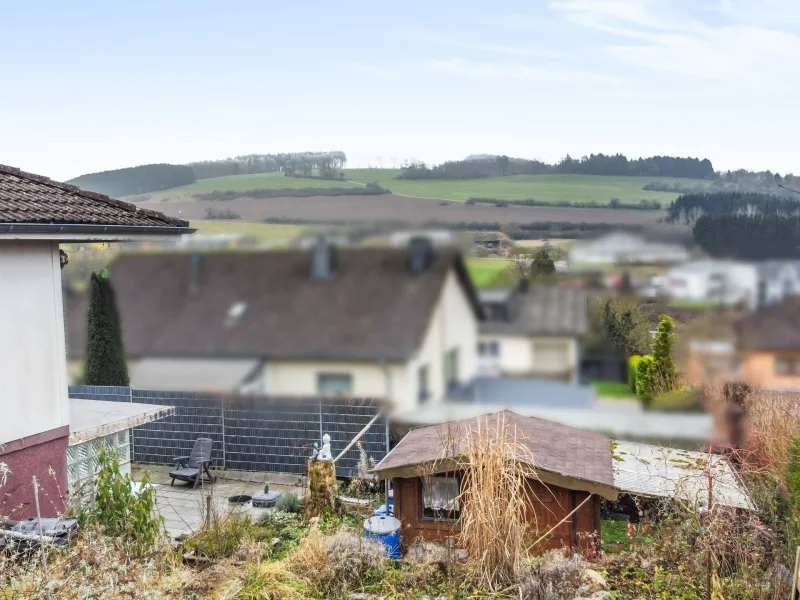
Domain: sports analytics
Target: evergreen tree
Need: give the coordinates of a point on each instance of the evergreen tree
(543, 264)
(105, 354)
(664, 373)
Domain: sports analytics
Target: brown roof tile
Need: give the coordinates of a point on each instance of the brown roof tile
(775, 327)
(372, 308)
(32, 199)
(555, 448)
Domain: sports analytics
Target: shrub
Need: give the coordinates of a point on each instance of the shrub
(644, 380)
(213, 213)
(664, 373)
(633, 363)
(288, 503)
(126, 515)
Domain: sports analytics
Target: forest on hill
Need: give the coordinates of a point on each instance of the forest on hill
(689, 207)
(136, 180)
(594, 164)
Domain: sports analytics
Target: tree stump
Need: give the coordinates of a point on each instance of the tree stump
(322, 488)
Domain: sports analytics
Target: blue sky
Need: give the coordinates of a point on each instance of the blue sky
(89, 86)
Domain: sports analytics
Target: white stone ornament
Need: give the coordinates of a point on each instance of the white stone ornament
(325, 453)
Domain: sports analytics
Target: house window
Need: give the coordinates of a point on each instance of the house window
(440, 498)
(423, 391)
(335, 384)
(489, 348)
(451, 368)
(787, 365)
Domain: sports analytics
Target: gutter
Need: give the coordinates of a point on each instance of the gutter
(69, 228)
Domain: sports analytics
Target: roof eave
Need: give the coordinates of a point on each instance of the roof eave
(82, 231)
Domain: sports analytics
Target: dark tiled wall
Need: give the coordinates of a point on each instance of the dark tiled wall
(250, 433)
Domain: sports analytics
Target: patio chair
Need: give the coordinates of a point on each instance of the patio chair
(190, 468)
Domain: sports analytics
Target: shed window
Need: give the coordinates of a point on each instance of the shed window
(335, 384)
(440, 498)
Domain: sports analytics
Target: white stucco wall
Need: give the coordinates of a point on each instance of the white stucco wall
(518, 356)
(452, 325)
(33, 367)
(370, 380)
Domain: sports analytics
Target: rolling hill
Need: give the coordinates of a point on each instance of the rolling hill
(548, 188)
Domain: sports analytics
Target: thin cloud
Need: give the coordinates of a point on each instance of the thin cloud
(668, 40)
(513, 71)
(453, 41)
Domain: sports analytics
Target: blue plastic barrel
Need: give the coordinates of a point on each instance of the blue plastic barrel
(381, 510)
(385, 530)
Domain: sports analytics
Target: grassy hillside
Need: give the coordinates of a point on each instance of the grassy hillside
(245, 182)
(264, 232)
(547, 188)
(550, 188)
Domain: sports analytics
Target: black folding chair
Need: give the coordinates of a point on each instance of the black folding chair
(190, 468)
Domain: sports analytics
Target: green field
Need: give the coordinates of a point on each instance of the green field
(549, 188)
(546, 188)
(490, 272)
(264, 232)
(245, 182)
(613, 389)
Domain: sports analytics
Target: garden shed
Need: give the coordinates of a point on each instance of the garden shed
(570, 472)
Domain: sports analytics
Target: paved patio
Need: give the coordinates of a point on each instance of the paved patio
(183, 507)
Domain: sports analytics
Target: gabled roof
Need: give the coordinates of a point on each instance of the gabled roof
(265, 304)
(27, 199)
(543, 310)
(580, 459)
(775, 327)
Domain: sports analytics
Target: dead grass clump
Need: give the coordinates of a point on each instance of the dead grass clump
(773, 423)
(495, 526)
(331, 564)
(553, 576)
(271, 581)
(96, 566)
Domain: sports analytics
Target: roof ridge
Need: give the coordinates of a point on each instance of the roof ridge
(67, 187)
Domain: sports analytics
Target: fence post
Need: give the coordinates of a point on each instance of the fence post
(796, 577)
(132, 440)
(222, 422)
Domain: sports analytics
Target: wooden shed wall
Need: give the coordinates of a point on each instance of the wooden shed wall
(549, 504)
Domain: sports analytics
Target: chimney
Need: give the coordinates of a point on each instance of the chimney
(421, 254)
(195, 267)
(323, 259)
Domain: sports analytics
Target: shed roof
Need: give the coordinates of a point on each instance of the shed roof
(657, 471)
(27, 199)
(581, 459)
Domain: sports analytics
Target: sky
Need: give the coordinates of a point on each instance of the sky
(89, 86)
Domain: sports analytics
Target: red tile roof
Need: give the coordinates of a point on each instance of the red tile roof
(554, 447)
(32, 199)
